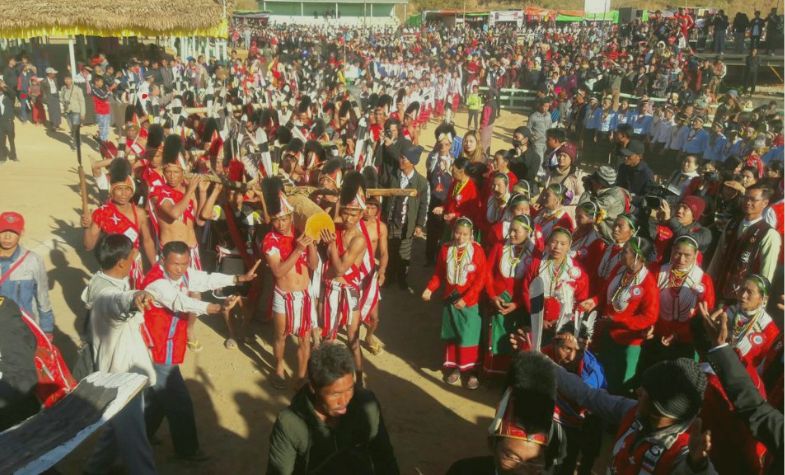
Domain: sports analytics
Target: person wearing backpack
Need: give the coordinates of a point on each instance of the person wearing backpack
(115, 332)
(23, 275)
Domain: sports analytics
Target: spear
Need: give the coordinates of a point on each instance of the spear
(80, 169)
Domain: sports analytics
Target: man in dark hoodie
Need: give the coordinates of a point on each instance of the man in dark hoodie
(332, 425)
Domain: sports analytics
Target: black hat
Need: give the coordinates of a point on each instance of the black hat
(532, 380)
(412, 154)
(635, 147)
(274, 200)
(675, 387)
(371, 179)
(155, 136)
(172, 148)
(352, 190)
(119, 170)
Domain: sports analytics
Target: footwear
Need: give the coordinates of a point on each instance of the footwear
(197, 456)
(230, 344)
(472, 382)
(374, 346)
(14, 158)
(195, 345)
(453, 378)
(278, 381)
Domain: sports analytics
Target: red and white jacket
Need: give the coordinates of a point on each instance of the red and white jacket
(678, 304)
(611, 258)
(506, 268)
(547, 220)
(632, 309)
(562, 292)
(462, 269)
(463, 200)
(587, 251)
(751, 335)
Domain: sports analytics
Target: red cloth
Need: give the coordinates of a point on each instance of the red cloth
(101, 106)
(733, 448)
(167, 330)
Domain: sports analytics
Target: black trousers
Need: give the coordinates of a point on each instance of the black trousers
(582, 444)
(434, 229)
(750, 80)
(7, 132)
(170, 398)
(400, 251)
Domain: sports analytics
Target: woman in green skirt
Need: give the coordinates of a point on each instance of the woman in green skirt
(461, 268)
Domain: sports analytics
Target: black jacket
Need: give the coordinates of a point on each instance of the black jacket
(764, 420)
(17, 368)
(637, 180)
(416, 206)
(526, 165)
(359, 444)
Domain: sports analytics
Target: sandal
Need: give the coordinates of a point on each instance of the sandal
(472, 382)
(230, 344)
(279, 382)
(453, 378)
(195, 345)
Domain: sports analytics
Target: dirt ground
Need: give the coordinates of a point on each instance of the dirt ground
(431, 424)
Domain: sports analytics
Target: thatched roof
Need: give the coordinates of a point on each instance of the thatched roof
(31, 18)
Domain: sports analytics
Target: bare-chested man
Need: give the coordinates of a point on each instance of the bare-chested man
(343, 277)
(176, 207)
(373, 273)
(290, 259)
(121, 216)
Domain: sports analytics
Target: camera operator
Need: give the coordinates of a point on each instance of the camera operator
(389, 151)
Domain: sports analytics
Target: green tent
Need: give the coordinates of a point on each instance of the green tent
(414, 20)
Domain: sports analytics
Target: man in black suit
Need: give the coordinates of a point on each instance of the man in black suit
(7, 123)
(405, 215)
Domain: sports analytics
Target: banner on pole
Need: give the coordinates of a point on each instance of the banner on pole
(595, 6)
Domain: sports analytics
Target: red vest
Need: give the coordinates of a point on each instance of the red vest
(168, 330)
(633, 454)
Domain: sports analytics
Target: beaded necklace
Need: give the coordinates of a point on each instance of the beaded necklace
(514, 259)
(555, 272)
(740, 327)
(626, 281)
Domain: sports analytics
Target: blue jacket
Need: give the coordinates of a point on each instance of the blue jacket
(28, 286)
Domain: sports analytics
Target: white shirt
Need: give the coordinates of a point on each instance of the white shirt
(173, 294)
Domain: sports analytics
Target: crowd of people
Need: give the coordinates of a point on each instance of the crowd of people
(618, 263)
